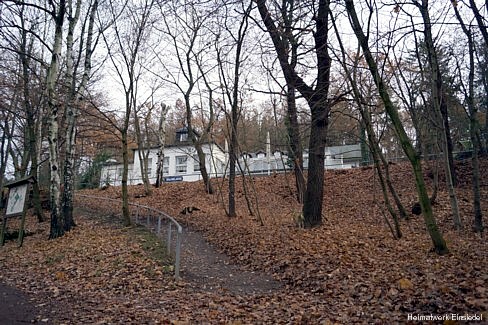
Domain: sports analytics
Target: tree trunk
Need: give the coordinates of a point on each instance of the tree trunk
(317, 99)
(484, 31)
(232, 162)
(312, 204)
(364, 144)
(397, 233)
(57, 222)
(291, 44)
(69, 168)
(435, 184)
(367, 130)
(70, 118)
(235, 103)
(449, 145)
(473, 128)
(71, 110)
(480, 20)
(377, 157)
(161, 140)
(125, 174)
(294, 142)
(143, 154)
(440, 110)
(4, 152)
(429, 219)
(478, 215)
(197, 144)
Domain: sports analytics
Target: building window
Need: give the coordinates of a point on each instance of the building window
(165, 165)
(196, 163)
(119, 171)
(181, 164)
(149, 166)
(183, 137)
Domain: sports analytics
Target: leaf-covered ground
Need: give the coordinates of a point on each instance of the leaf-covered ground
(349, 270)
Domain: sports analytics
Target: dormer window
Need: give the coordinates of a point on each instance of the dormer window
(183, 137)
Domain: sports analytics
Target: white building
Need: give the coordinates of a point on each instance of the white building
(181, 162)
(337, 157)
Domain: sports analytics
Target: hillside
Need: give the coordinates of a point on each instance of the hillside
(351, 264)
(349, 270)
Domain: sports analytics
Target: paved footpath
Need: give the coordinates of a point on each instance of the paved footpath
(15, 307)
(211, 270)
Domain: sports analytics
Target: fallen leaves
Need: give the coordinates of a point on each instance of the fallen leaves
(349, 270)
(405, 284)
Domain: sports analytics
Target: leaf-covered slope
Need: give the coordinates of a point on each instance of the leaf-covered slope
(349, 270)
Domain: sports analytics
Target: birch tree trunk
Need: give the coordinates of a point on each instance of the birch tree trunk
(71, 110)
(70, 117)
(57, 222)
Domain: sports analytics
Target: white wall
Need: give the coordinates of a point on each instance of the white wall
(188, 171)
(112, 174)
(215, 161)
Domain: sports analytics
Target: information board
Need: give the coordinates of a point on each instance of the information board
(16, 200)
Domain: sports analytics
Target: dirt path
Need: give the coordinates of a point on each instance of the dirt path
(16, 307)
(202, 266)
(210, 270)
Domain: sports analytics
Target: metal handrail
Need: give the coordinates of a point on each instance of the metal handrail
(160, 215)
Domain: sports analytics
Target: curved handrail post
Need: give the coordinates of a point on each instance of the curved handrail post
(169, 237)
(179, 234)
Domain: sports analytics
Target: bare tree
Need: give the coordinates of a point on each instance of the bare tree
(230, 85)
(187, 26)
(316, 96)
(436, 236)
(473, 122)
(58, 13)
(378, 157)
(76, 93)
(20, 32)
(130, 24)
(440, 108)
(33, 116)
(162, 141)
(482, 25)
(142, 131)
(291, 40)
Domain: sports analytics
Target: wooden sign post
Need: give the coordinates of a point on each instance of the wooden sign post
(16, 205)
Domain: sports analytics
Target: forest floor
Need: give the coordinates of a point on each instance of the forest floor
(348, 270)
